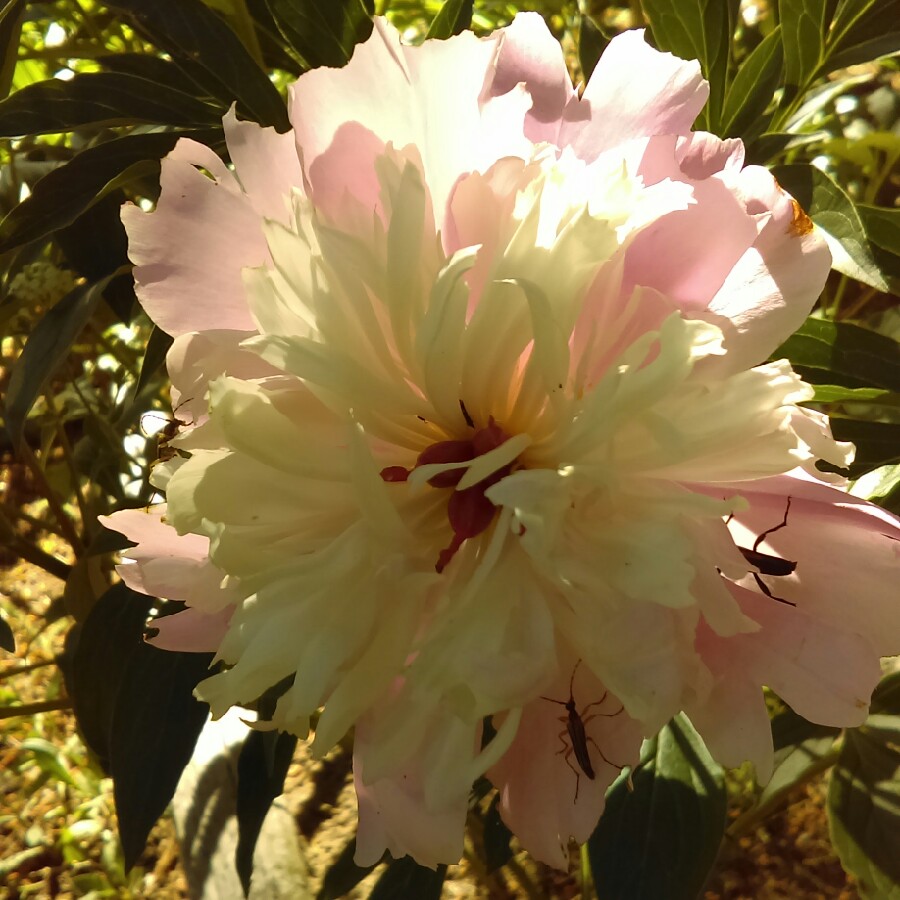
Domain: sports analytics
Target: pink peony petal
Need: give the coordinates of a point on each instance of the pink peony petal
(191, 631)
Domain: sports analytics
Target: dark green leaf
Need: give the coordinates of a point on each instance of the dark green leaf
(98, 98)
(452, 18)
(497, 838)
(211, 53)
(864, 804)
(591, 44)
(322, 32)
(7, 638)
(753, 87)
(695, 29)
(154, 729)
(100, 650)
(862, 30)
(45, 351)
(833, 211)
(154, 357)
(803, 25)
(11, 18)
(877, 443)
(882, 225)
(261, 770)
(343, 875)
(838, 353)
(159, 71)
(404, 879)
(66, 192)
(661, 840)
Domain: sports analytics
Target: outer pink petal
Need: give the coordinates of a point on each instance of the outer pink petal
(191, 631)
(189, 253)
(530, 55)
(846, 549)
(537, 785)
(414, 102)
(634, 91)
(167, 564)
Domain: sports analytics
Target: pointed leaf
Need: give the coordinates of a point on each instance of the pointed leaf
(7, 638)
(662, 839)
(833, 211)
(100, 650)
(452, 18)
(803, 24)
(322, 32)
(864, 798)
(262, 767)
(203, 44)
(47, 348)
(66, 192)
(155, 726)
(754, 86)
(863, 30)
(591, 44)
(343, 875)
(838, 353)
(697, 29)
(404, 879)
(11, 19)
(877, 443)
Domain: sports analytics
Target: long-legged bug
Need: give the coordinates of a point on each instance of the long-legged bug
(766, 563)
(167, 433)
(579, 739)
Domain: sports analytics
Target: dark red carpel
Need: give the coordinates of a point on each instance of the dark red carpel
(469, 511)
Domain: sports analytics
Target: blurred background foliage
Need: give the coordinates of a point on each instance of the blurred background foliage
(92, 95)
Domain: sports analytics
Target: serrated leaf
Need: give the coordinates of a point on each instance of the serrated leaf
(261, 769)
(7, 638)
(99, 98)
(322, 32)
(343, 875)
(210, 52)
(100, 649)
(803, 24)
(754, 86)
(864, 805)
(697, 29)
(643, 846)
(452, 18)
(155, 726)
(838, 353)
(46, 349)
(63, 194)
(404, 879)
(833, 211)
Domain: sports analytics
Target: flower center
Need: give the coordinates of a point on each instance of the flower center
(469, 511)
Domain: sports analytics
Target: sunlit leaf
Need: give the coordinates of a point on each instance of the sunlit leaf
(452, 18)
(754, 86)
(322, 32)
(803, 24)
(99, 98)
(642, 847)
(864, 798)
(833, 211)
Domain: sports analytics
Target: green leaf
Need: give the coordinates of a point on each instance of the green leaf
(322, 32)
(47, 348)
(7, 638)
(155, 726)
(452, 18)
(864, 799)
(753, 87)
(261, 769)
(154, 358)
(11, 18)
(835, 393)
(159, 71)
(404, 879)
(838, 353)
(100, 650)
(662, 839)
(833, 211)
(343, 875)
(882, 486)
(862, 30)
(697, 29)
(591, 44)
(497, 838)
(99, 98)
(64, 193)
(877, 443)
(803, 25)
(202, 43)
(882, 225)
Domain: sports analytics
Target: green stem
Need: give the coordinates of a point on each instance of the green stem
(63, 519)
(21, 670)
(30, 552)
(30, 709)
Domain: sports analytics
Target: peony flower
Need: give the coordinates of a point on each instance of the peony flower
(479, 426)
